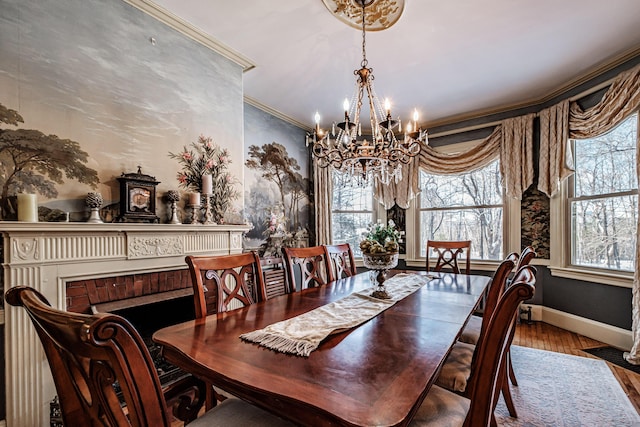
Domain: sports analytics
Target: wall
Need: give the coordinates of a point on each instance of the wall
(122, 85)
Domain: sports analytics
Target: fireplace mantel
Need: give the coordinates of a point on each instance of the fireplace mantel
(48, 255)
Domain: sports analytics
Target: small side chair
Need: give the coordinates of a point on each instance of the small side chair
(448, 252)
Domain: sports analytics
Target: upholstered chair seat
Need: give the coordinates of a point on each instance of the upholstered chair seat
(441, 408)
(457, 369)
(471, 331)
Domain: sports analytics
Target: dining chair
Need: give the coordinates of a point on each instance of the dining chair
(476, 406)
(311, 265)
(471, 331)
(275, 276)
(104, 374)
(448, 252)
(459, 365)
(222, 283)
(342, 261)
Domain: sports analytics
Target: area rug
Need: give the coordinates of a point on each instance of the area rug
(561, 390)
(614, 356)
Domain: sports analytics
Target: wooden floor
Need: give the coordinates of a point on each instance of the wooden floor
(546, 337)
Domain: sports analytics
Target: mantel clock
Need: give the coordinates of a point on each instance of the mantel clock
(137, 197)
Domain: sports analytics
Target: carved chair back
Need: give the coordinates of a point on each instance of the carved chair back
(99, 362)
(224, 282)
(448, 252)
(488, 371)
(342, 261)
(526, 256)
(312, 265)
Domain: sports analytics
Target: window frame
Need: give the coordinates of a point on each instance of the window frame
(510, 221)
(561, 234)
(377, 213)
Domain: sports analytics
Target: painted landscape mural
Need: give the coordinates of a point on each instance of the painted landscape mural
(94, 89)
(277, 184)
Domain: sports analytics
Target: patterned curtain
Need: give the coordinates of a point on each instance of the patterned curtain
(556, 161)
(633, 356)
(323, 188)
(516, 155)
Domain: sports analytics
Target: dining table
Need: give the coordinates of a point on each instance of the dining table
(375, 374)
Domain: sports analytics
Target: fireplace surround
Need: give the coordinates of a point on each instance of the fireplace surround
(51, 256)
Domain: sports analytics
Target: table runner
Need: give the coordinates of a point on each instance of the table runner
(302, 334)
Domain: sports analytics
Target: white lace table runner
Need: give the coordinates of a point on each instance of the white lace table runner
(302, 334)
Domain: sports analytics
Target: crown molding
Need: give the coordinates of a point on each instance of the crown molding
(275, 113)
(582, 79)
(191, 31)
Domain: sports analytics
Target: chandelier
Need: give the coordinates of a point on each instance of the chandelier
(379, 158)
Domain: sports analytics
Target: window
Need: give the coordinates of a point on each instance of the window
(352, 211)
(603, 199)
(463, 207)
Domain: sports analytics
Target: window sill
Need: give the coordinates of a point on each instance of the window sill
(624, 280)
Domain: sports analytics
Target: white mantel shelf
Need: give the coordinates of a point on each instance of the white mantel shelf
(48, 255)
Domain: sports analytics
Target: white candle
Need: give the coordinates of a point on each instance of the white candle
(194, 198)
(207, 184)
(27, 208)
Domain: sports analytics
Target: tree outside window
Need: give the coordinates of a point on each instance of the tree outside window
(603, 197)
(463, 207)
(351, 212)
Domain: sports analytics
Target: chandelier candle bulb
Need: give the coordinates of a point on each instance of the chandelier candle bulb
(207, 184)
(27, 208)
(194, 199)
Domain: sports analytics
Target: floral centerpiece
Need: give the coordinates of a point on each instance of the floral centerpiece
(203, 158)
(380, 252)
(380, 238)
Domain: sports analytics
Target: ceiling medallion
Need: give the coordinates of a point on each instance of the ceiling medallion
(381, 14)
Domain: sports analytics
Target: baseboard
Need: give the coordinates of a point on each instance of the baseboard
(612, 335)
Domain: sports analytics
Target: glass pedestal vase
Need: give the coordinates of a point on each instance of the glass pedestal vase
(380, 262)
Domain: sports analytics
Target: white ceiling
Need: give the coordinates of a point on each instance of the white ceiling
(449, 59)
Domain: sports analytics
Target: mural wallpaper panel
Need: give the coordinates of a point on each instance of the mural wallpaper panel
(92, 89)
(535, 220)
(277, 184)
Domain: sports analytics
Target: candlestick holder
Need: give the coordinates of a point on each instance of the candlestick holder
(194, 213)
(208, 215)
(173, 196)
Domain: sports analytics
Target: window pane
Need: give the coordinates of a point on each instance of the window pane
(483, 226)
(347, 197)
(604, 232)
(480, 187)
(607, 164)
(352, 211)
(349, 227)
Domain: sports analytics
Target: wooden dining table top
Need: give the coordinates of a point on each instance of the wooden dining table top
(376, 374)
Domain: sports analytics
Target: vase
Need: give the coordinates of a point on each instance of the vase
(380, 262)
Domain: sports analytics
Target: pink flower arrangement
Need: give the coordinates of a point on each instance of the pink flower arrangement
(206, 158)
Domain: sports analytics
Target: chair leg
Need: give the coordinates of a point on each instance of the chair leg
(512, 374)
(211, 400)
(508, 400)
